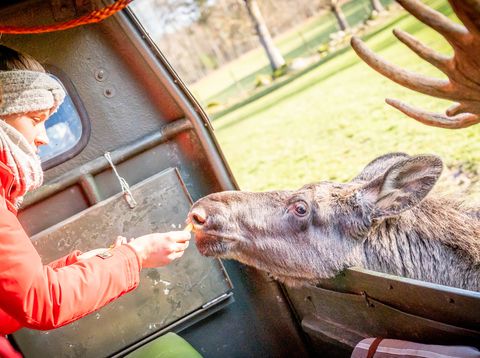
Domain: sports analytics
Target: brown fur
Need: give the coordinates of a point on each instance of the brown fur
(380, 221)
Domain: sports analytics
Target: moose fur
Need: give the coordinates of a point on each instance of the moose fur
(381, 220)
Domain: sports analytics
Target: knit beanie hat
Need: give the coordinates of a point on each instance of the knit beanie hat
(29, 91)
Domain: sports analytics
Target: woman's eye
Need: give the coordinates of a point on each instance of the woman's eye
(300, 208)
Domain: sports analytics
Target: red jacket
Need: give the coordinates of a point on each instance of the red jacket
(48, 296)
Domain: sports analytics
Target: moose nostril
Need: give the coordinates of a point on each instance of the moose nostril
(199, 216)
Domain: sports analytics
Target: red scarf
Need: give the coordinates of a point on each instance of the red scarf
(21, 159)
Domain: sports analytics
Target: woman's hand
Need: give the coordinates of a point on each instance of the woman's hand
(160, 249)
(154, 250)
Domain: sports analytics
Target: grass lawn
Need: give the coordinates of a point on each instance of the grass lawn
(329, 123)
(238, 77)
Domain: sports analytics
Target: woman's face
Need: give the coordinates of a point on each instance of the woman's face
(31, 125)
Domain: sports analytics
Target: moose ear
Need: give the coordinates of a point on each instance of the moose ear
(402, 186)
(380, 165)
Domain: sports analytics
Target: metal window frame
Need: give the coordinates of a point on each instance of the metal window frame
(82, 113)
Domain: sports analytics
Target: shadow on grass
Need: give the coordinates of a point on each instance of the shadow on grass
(280, 85)
(297, 90)
(412, 28)
(303, 72)
(356, 12)
(310, 46)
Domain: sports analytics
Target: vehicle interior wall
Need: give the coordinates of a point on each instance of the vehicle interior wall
(141, 113)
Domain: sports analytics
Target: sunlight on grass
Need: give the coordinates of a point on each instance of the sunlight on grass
(329, 123)
(238, 76)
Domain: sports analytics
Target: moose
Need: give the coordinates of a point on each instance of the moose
(381, 220)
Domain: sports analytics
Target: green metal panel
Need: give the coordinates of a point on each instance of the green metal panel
(149, 122)
(360, 303)
(436, 302)
(164, 295)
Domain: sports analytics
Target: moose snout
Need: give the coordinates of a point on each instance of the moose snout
(198, 216)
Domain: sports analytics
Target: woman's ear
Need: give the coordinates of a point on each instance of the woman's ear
(403, 186)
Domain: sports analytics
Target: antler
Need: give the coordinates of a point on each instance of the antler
(462, 69)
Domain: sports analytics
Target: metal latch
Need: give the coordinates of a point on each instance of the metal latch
(127, 194)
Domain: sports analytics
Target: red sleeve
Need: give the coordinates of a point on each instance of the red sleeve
(70, 259)
(6, 349)
(42, 297)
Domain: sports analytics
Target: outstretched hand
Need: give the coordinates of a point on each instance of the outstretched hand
(159, 249)
(154, 250)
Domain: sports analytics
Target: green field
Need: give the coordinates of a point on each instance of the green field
(238, 77)
(330, 122)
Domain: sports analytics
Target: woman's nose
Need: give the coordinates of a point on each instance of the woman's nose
(41, 137)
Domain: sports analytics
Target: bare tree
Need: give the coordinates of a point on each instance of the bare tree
(377, 6)
(462, 69)
(199, 36)
(336, 7)
(273, 53)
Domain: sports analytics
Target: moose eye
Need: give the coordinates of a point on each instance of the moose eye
(300, 208)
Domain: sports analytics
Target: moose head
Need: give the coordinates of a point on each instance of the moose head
(319, 230)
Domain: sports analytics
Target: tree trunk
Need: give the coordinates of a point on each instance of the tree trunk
(377, 6)
(337, 11)
(273, 54)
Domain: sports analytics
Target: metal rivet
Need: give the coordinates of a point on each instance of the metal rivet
(100, 75)
(109, 92)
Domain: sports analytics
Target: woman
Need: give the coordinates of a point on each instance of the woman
(48, 296)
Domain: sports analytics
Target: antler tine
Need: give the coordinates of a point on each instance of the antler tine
(455, 109)
(435, 119)
(438, 60)
(414, 81)
(463, 107)
(468, 11)
(452, 31)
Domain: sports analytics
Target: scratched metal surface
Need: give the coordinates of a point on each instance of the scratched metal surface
(359, 303)
(164, 295)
